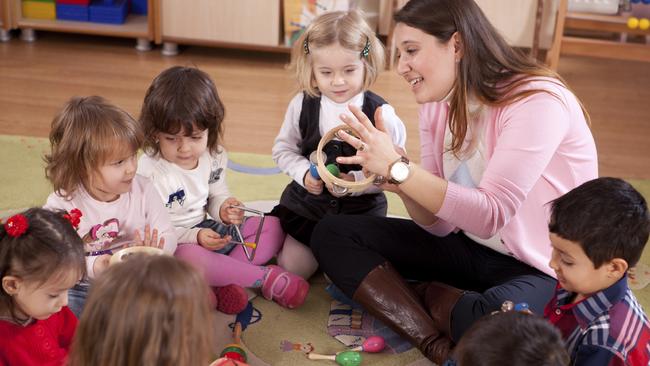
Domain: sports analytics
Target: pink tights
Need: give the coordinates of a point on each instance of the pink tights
(234, 268)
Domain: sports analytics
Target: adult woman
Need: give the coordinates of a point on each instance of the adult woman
(500, 137)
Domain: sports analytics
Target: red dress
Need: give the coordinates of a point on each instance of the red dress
(43, 342)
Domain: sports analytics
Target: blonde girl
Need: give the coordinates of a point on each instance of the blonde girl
(146, 311)
(92, 168)
(41, 258)
(335, 62)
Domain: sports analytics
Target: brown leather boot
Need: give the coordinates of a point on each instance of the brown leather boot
(386, 296)
(440, 300)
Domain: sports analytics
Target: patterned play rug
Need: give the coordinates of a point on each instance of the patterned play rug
(275, 336)
(282, 336)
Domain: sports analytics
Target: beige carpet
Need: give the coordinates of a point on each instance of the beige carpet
(24, 185)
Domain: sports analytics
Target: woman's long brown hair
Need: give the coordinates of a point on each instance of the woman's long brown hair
(490, 68)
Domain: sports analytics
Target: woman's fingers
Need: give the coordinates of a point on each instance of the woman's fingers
(379, 120)
(355, 159)
(362, 120)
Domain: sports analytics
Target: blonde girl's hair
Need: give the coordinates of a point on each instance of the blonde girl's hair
(489, 68)
(352, 32)
(147, 311)
(49, 249)
(84, 135)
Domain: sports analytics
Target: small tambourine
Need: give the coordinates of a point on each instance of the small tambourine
(340, 187)
(124, 254)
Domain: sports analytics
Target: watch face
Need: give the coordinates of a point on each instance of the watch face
(399, 171)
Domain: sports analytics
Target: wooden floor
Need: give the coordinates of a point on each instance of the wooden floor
(37, 78)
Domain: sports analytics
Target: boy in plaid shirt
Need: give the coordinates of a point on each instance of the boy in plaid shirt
(598, 231)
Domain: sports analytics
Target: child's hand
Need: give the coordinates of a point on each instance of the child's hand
(211, 240)
(101, 263)
(231, 215)
(150, 238)
(313, 185)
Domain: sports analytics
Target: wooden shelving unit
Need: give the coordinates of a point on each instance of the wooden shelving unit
(241, 24)
(140, 27)
(616, 49)
(5, 20)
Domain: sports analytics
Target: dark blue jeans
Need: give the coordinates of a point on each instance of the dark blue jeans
(349, 247)
(77, 297)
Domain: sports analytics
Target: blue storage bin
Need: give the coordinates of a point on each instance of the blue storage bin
(139, 7)
(72, 12)
(115, 13)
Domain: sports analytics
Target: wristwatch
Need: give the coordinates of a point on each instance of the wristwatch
(399, 171)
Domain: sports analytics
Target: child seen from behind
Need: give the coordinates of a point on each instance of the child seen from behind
(510, 338)
(146, 311)
(41, 258)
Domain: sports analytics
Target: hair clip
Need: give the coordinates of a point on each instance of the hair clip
(366, 48)
(16, 225)
(74, 216)
(305, 46)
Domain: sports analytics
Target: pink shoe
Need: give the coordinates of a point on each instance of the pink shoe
(231, 299)
(284, 287)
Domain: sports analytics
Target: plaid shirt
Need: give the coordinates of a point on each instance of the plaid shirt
(607, 328)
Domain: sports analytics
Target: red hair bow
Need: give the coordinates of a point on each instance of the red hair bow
(74, 216)
(16, 225)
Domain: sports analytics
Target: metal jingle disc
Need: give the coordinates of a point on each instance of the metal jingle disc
(339, 191)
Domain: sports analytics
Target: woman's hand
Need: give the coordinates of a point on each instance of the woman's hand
(375, 150)
(231, 215)
(150, 238)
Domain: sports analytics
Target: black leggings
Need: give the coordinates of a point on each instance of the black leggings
(349, 247)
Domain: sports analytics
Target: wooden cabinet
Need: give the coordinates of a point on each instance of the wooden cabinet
(515, 20)
(5, 20)
(140, 27)
(252, 24)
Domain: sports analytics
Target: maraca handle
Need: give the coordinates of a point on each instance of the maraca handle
(313, 170)
(357, 349)
(317, 356)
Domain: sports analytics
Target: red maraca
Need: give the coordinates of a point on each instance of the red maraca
(372, 344)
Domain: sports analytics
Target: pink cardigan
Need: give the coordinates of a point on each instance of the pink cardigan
(537, 149)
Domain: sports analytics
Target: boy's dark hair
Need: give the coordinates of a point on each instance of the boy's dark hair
(179, 99)
(49, 246)
(511, 338)
(606, 216)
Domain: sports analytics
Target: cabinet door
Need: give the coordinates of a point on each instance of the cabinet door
(255, 22)
(515, 20)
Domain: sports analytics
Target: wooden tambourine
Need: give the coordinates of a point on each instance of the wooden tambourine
(124, 254)
(340, 187)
